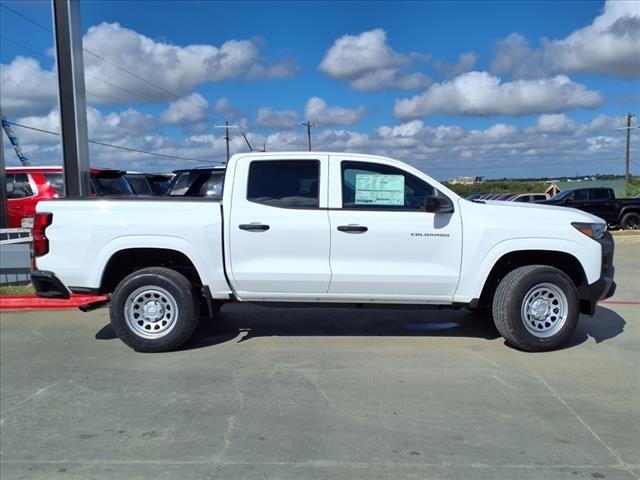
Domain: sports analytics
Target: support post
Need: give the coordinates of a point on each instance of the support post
(72, 97)
(4, 215)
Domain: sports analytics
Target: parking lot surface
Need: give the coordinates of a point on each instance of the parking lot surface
(324, 393)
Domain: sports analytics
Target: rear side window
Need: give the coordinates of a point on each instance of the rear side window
(539, 197)
(524, 198)
(139, 185)
(110, 185)
(601, 194)
(284, 183)
(56, 181)
(18, 186)
(199, 184)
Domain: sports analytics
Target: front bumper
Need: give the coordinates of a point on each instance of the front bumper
(47, 285)
(604, 287)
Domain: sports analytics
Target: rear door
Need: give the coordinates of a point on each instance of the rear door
(603, 205)
(383, 242)
(279, 228)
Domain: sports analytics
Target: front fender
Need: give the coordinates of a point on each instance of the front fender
(475, 271)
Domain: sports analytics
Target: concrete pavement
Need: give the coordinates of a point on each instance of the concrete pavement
(312, 393)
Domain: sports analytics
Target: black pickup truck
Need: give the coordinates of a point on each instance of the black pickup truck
(602, 202)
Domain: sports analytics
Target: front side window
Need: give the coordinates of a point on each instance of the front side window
(580, 195)
(377, 186)
(284, 183)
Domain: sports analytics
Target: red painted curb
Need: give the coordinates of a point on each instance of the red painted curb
(29, 302)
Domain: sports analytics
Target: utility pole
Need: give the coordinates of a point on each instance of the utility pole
(226, 127)
(628, 153)
(309, 126)
(628, 150)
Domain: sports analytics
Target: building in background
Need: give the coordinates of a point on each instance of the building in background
(466, 180)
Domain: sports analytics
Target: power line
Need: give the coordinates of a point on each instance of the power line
(120, 147)
(117, 87)
(30, 20)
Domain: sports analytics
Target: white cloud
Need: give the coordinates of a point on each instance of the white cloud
(28, 89)
(368, 63)
(554, 123)
(444, 150)
(466, 61)
(318, 111)
(481, 94)
(187, 110)
(225, 108)
(269, 118)
(608, 46)
(178, 69)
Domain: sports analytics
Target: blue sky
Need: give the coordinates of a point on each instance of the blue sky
(456, 88)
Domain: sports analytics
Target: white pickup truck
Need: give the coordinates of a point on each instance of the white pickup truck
(324, 228)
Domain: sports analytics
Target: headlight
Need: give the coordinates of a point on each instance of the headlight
(592, 230)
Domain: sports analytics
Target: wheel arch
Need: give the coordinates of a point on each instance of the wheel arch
(128, 260)
(563, 261)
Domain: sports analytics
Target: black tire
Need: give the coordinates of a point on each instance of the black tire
(508, 308)
(630, 221)
(178, 291)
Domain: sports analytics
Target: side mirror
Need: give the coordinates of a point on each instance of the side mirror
(566, 199)
(435, 204)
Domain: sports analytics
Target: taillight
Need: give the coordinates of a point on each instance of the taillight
(40, 242)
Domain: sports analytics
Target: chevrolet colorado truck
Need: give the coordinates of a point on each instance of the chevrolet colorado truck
(324, 229)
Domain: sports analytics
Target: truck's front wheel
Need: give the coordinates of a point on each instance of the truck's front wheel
(535, 308)
(154, 310)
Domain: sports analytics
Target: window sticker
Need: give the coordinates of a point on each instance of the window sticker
(376, 189)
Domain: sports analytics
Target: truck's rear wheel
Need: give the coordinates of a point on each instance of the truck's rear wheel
(154, 310)
(630, 221)
(535, 308)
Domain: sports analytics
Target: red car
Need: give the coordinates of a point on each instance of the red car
(26, 186)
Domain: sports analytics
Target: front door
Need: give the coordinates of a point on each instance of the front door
(384, 243)
(279, 228)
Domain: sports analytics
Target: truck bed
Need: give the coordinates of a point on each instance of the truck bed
(95, 229)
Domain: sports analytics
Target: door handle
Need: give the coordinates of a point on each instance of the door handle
(352, 228)
(254, 227)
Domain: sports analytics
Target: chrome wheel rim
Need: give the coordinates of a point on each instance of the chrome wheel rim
(544, 310)
(151, 312)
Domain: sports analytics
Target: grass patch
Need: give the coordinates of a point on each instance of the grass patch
(17, 290)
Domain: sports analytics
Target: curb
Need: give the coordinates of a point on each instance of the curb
(32, 302)
(625, 233)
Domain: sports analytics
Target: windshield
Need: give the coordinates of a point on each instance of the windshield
(561, 195)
